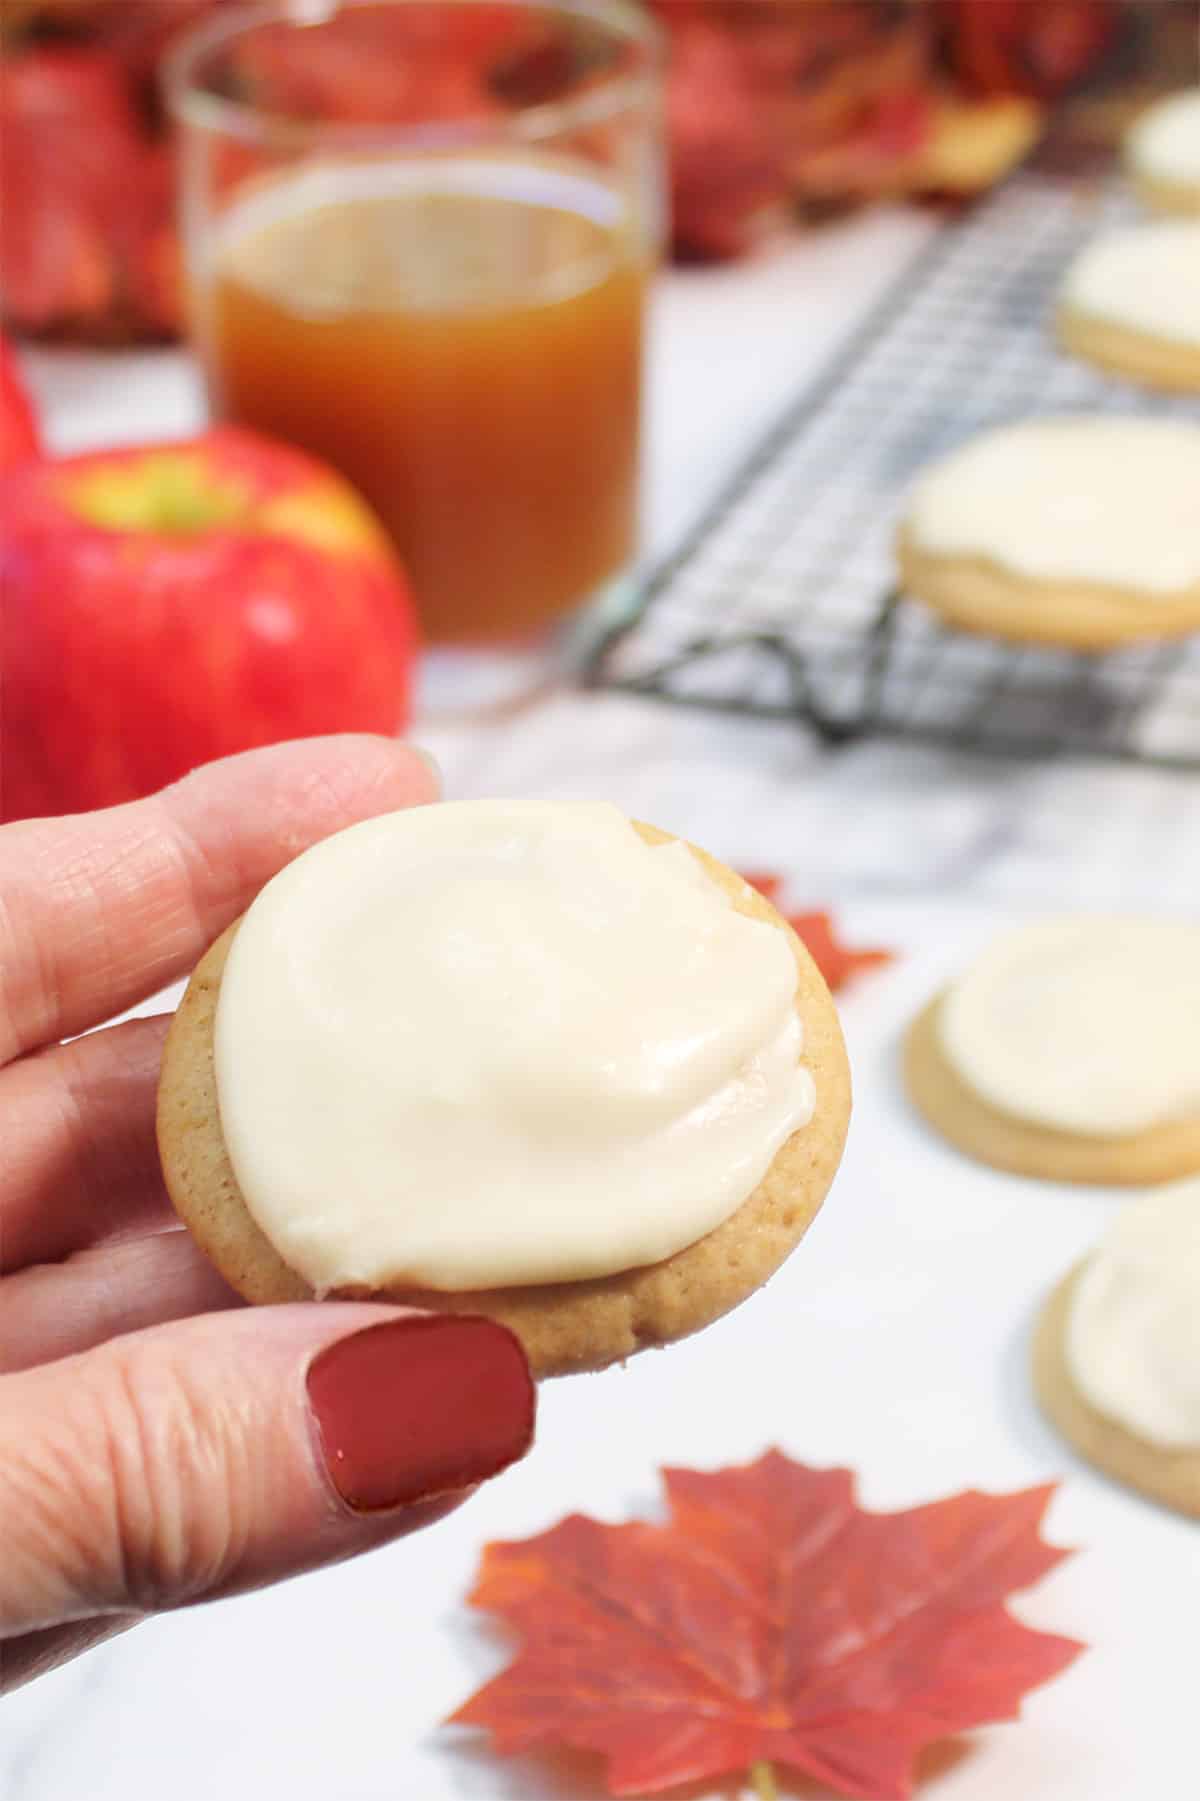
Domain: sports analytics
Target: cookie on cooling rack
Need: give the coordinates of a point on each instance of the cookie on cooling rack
(1069, 1051)
(1078, 531)
(1130, 303)
(526, 1059)
(1162, 154)
(1116, 1354)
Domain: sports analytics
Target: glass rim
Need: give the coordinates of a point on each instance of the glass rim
(191, 104)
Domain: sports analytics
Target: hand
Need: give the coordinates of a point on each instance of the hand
(159, 1442)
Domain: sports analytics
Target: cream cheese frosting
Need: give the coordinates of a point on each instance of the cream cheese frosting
(501, 1042)
(1101, 499)
(1164, 145)
(1133, 1331)
(1143, 277)
(1088, 1025)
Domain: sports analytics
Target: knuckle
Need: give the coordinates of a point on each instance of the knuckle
(176, 1483)
(48, 1539)
(123, 1486)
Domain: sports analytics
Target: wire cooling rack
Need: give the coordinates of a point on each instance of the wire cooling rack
(781, 601)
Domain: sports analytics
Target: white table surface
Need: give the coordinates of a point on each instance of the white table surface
(895, 1341)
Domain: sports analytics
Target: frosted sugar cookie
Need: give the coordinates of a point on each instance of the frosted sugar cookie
(1116, 1358)
(1162, 153)
(1070, 1050)
(517, 1058)
(1131, 304)
(1080, 531)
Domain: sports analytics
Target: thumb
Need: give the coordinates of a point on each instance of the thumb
(215, 1454)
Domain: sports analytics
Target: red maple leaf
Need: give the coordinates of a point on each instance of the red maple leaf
(772, 1620)
(818, 933)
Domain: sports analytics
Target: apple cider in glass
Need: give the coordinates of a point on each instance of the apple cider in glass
(464, 342)
(418, 237)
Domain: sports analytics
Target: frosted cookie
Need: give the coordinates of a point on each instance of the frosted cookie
(1162, 154)
(1116, 1355)
(518, 1058)
(1131, 304)
(1070, 1051)
(1082, 532)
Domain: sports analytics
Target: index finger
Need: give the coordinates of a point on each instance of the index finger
(99, 910)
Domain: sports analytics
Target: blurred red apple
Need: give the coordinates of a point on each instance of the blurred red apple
(18, 424)
(172, 603)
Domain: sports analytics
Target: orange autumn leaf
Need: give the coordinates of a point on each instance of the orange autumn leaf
(769, 886)
(835, 960)
(817, 931)
(772, 1619)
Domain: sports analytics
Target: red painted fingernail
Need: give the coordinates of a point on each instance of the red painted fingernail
(420, 1406)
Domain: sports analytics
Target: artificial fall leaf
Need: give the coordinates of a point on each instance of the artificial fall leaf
(835, 960)
(817, 931)
(771, 1620)
(770, 886)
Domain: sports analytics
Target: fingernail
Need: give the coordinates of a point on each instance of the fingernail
(432, 765)
(420, 1406)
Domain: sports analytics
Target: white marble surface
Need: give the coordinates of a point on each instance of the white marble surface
(895, 1341)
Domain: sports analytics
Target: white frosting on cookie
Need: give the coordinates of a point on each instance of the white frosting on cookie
(501, 1042)
(1144, 277)
(1164, 145)
(1133, 1331)
(1088, 1025)
(1100, 499)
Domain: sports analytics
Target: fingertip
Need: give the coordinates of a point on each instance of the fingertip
(341, 780)
(350, 773)
(432, 766)
(413, 1408)
(364, 774)
(302, 790)
(405, 771)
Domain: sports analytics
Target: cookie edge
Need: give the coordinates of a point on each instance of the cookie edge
(977, 595)
(1164, 364)
(1171, 1478)
(988, 1135)
(1158, 194)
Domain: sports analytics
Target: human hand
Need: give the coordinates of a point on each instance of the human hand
(159, 1442)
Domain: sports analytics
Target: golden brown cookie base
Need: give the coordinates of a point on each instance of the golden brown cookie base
(1178, 198)
(1171, 1477)
(564, 1326)
(983, 1132)
(977, 595)
(1162, 363)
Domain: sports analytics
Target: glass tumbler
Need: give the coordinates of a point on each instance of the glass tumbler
(418, 238)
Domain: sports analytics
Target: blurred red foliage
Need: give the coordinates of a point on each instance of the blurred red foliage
(86, 241)
(770, 103)
(1011, 47)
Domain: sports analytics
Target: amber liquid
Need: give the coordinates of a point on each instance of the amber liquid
(463, 341)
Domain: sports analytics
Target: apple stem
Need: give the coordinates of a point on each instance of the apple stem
(762, 1781)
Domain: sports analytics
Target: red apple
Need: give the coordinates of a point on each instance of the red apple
(172, 603)
(18, 425)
